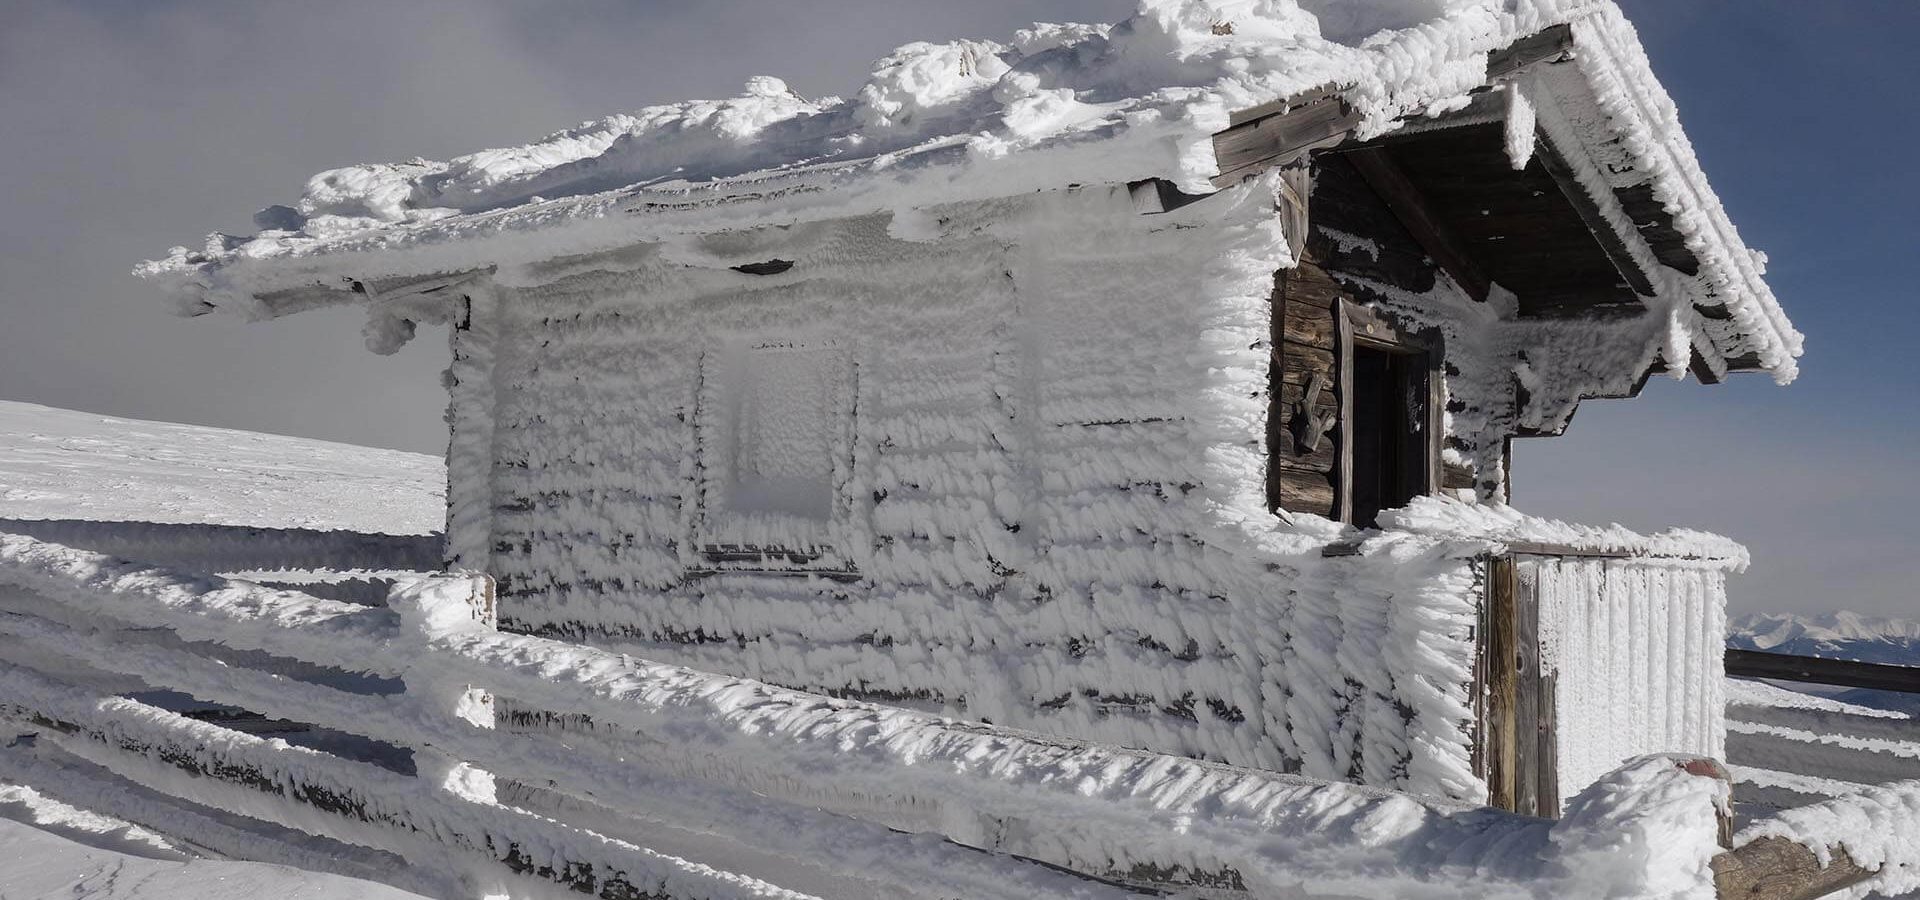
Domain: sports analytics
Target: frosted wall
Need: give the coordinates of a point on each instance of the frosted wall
(1636, 650)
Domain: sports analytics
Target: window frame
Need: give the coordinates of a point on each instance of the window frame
(711, 552)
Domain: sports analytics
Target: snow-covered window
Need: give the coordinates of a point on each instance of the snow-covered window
(774, 452)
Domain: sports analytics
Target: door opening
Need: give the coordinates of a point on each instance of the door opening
(1391, 419)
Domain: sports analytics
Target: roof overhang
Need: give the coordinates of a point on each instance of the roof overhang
(1542, 183)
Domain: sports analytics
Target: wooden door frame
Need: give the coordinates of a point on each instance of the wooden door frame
(1359, 325)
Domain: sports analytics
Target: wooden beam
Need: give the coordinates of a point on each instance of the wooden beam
(1529, 738)
(1270, 134)
(1296, 184)
(1300, 126)
(1547, 45)
(1814, 670)
(1583, 203)
(1376, 165)
(1483, 108)
(1775, 868)
(1502, 753)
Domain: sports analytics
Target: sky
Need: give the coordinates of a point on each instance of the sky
(127, 127)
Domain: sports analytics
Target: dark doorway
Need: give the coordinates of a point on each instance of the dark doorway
(1391, 418)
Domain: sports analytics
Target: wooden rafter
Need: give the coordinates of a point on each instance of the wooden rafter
(1376, 165)
(1583, 203)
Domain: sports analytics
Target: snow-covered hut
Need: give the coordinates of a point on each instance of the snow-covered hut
(1150, 383)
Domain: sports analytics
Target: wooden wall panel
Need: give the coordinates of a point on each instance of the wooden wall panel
(1354, 240)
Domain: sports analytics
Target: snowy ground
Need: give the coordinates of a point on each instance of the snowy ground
(64, 464)
(77, 855)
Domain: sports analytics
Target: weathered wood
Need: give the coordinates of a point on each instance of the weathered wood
(1547, 45)
(1342, 504)
(1528, 730)
(1252, 147)
(1344, 208)
(1311, 420)
(1520, 229)
(1547, 744)
(1310, 324)
(1276, 404)
(1300, 363)
(1501, 690)
(1276, 107)
(1775, 868)
(1840, 672)
(1296, 183)
(1305, 492)
(1455, 476)
(1377, 166)
(1589, 211)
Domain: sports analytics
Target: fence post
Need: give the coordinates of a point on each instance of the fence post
(431, 607)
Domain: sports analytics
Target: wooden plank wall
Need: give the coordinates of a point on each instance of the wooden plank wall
(1519, 756)
(1346, 215)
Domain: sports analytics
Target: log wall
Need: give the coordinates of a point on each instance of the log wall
(1050, 480)
(1356, 252)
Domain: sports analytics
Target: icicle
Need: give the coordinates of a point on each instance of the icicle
(1678, 350)
(1520, 122)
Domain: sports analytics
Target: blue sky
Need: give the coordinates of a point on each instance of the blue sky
(133, 126)
(1803, 115)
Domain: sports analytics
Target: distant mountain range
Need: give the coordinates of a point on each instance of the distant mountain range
(1840, 635)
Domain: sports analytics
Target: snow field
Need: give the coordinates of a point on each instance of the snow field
(689, 739)
(164, 483)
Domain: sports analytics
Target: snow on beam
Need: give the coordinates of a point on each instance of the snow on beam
(1274, 133)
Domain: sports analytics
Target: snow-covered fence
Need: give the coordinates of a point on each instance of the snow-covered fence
(635, 779)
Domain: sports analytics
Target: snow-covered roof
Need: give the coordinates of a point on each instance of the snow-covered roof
(966, 120)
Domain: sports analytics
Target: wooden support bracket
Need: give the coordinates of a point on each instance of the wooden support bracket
(1309, 425)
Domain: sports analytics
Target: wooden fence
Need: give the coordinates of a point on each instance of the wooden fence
(371, 747)
(1819, 670)
(1789, 750)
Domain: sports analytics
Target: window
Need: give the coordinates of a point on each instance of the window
(774, 437)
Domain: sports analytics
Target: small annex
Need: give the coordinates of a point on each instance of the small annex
(1150, 383)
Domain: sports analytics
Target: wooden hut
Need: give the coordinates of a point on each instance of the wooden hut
(1151, 383)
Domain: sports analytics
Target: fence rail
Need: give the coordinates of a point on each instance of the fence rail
(1818, 670)
(621, 779)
